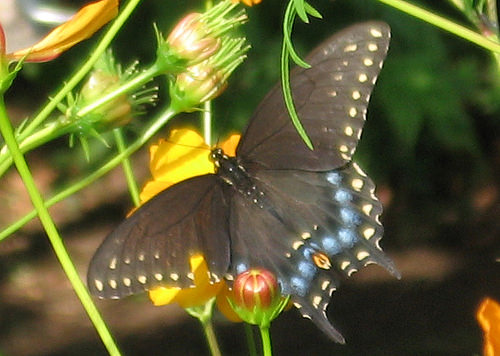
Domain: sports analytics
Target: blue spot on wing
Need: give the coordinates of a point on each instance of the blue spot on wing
(347, 237)
(342, 196)
(334, 178)
(299, 286)
(306, 269)
(349, 217)
(330, 245)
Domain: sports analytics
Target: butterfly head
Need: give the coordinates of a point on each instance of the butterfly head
(217, 155)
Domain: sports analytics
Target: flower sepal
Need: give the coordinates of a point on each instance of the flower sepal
(7, 75)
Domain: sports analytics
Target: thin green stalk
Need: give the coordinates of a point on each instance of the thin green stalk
(266, 341)
(207, 122)
(285, 75)
(112, 163)
(127, 168)
(252, 350)
(208, 328)
(67, 264)
(84, 69)
(204, 314)
(443, 23)
(144, 77)
(46, 134)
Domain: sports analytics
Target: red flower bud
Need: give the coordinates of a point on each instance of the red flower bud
(256, 288)
(256, 297)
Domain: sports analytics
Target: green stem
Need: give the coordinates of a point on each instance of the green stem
(266, 341)
(208, 328)
(46, 134)
(144, 77)
(147, 134)
(127, 168)
(443, 23)
(207, 122)
(252, 350)
(84, 69)
(67, 264)
(204, 314)
(285, 75)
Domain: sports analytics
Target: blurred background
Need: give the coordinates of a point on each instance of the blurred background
(431, 143)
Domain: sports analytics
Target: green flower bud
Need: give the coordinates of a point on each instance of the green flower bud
(115, 113)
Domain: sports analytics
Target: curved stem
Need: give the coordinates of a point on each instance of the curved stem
(285, 75)
(147, 134)
(52, 233)
(444, 24)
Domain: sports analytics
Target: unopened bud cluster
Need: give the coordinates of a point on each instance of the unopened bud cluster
(200, 55)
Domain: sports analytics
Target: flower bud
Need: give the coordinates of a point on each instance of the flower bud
(197, 37)
(208, 79)
(256, 288)
(115, 113)
(191, 39)
(256, 297)
(192, 88)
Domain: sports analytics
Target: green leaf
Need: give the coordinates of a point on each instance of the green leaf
(312, 11)
(300, 8)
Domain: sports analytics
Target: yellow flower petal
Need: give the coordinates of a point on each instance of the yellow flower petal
(488, 316)
(182, 156)
(81, 26)
(248, 2)
(224, 307)
(189, 297)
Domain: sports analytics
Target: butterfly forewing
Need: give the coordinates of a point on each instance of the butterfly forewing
(153, 246)
(331, 99)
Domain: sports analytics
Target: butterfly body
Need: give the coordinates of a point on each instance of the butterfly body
(310, 217)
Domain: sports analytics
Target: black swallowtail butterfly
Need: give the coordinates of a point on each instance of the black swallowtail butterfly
(276, 205)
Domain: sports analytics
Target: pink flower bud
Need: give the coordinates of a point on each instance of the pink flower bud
(191, 39)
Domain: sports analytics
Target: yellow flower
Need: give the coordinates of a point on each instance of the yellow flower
(248, 2)
(182, 156)
(81, 26)
(488, 315)
(189, 297)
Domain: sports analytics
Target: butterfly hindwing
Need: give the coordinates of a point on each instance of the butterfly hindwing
(313, 229)
(331, 99)
(153, 246)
